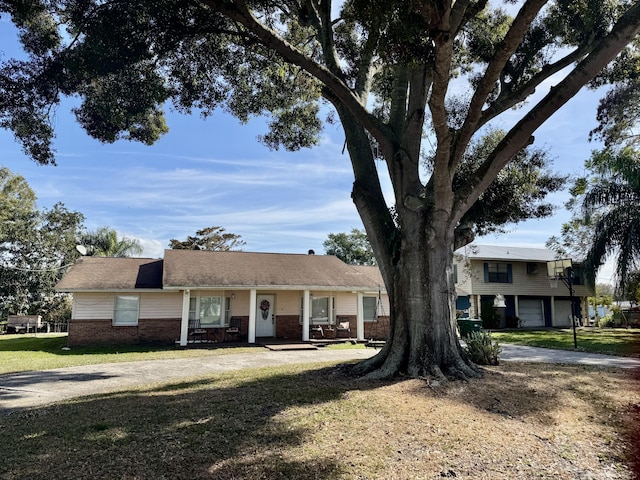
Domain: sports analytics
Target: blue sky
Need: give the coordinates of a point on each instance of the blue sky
(215, 172)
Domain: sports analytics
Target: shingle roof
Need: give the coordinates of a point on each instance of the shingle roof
(373, 273)
(498, 252)
(108, 273)
(193, 268)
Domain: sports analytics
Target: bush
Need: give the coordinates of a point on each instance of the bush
(482, 349)
(513, 322)
(490, 316)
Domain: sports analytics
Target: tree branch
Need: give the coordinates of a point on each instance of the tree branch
(504, 51)
(507, 100)
(237, 10)
(519, 136)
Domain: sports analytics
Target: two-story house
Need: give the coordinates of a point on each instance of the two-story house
(514, 280)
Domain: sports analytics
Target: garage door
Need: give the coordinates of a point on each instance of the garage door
(562, 313)
(531, 313)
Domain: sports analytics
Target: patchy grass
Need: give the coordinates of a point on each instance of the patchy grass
(19, 353)
(613, 341)
(294, 422)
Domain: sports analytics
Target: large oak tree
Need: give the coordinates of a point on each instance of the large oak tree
(397, 76)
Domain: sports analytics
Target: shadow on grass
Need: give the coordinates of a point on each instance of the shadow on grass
(220, 427)
(253, 424)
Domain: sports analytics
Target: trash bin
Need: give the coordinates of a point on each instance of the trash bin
(468, 325)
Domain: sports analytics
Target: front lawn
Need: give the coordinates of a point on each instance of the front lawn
(312, 422)
(613, 341)
(20, 353)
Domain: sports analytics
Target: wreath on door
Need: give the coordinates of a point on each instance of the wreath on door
(264, 306)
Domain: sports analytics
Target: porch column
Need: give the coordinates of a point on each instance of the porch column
(516, 305)
(306, 314)
(360, 318)
(253, 299)
(553, 311)
(184, 323)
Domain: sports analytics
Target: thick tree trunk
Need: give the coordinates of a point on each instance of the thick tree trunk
(423, 339)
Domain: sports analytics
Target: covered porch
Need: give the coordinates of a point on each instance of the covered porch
(300, 315)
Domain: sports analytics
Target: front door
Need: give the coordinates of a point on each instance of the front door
(265, 316)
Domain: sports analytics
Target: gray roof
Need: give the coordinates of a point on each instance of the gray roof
(194, 268)
(203, 269)
(108, 273)
(499, 252)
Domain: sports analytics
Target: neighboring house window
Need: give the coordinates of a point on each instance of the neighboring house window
(209, 309)
(532, 268)
(370, 309)
(126, 310)
(496, 272)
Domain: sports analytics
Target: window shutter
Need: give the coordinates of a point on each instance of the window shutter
(486, 272)
(509, 273)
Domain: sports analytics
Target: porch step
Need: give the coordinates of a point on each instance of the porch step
(290, 346)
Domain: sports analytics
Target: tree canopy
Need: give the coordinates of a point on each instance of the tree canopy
(36, 246)
(352, 248)
(396, 75)
(215, 239)
(104, 242)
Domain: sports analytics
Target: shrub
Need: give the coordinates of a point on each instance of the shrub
(490, 316)
(513, 322)
(482, 349)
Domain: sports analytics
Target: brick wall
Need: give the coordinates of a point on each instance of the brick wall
(376, 330)
(288, 327)
(100, 332)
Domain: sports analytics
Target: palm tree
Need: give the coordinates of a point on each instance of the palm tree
(614, 200)
(104, 242)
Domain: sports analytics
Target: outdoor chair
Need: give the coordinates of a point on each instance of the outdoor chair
(196, 331)
(316, 331)
(343, 328)
(234, 328)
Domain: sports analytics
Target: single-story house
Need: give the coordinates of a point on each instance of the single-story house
(289, 296)
(519, 277)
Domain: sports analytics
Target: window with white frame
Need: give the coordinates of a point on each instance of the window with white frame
(213, 311)
(126, 309)
(370, 309)
(322, 310)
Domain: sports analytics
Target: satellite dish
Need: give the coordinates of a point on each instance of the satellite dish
(82, 249)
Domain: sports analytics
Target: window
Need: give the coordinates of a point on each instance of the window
(370, 309)
(495, 272)
(209, 310)
(322, 310)
(126, 310)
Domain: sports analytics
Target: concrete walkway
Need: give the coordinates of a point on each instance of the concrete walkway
(33, 389)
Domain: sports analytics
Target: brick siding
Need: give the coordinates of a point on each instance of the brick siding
(100, 332)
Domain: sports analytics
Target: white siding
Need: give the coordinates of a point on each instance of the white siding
(161, 305)
(99, 306)
(346, 303)
(523, 283)
(93, 306)
(288, 302)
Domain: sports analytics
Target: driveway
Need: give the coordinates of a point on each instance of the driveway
(33, 389)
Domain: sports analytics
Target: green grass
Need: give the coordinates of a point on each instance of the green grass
(19, 353)
(622, 342)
